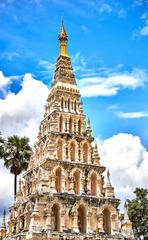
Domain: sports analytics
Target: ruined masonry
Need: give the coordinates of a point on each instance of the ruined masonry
(62, 195)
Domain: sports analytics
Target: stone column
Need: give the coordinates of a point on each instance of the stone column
(82, 180)
(62, 220)
(79, 152)
(88, 185)
(63, 182)
(71, 185)
(67, 125)
(53, 184)
(75, 222)
(100, 222)
(76, 127)
(88, 227)
(48, 221)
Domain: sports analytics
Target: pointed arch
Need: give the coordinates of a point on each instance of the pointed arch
(76, 177)
(107, 221)
(72, 151)
(60, 149)
(56, 218)
(58, 180)
(82, 221)
(93, 184)
(85, 153)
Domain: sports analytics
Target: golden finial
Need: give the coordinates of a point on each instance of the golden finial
(63, 38)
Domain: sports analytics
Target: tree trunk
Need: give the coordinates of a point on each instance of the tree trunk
(15, 185)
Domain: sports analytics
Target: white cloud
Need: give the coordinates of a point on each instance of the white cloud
(21, 113)
(105, 8)
(4, 81)
(97, 90)
(144, 16)
(139, 2)
(9, 55)
(144, 31)
(84, 28)
(112, 82)
(127, 159)
(132, 114)
(6, 187)
(122, 13)
(37, 2)
(47, 68)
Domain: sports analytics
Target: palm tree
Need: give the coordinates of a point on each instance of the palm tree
(1, 146)
(16, 154)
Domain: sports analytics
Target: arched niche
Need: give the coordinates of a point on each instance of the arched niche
(58, 180)
(93, 180)
(70, 125)
(72, 151)
(107, 221)
(60, 149)
(76, 177)
(56, 221)
(85, 153)
(82, 221)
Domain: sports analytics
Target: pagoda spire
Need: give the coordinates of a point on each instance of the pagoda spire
(96, 157)
(3, 221)
(109, 190)
(63, 38)
(126, 224)
(3, 227)
(108, 182)
(63, 73)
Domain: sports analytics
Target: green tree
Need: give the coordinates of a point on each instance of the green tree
(16, 154)
(138, 213)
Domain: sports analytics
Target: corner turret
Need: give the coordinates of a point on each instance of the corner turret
(3, 227)
(126, 224)
(109, 190)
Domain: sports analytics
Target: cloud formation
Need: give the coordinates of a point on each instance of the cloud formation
(21, 113)
(141, 114)
(6, 188)
(4, 81)
(127, 159)
(144, 31)
(102, 81)
(111, 82)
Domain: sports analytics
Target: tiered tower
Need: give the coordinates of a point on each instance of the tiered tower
(62, 195)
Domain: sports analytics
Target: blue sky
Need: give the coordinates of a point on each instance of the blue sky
(108, 45)
(105, 34)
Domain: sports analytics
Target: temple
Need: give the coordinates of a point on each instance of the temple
(63, 194)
